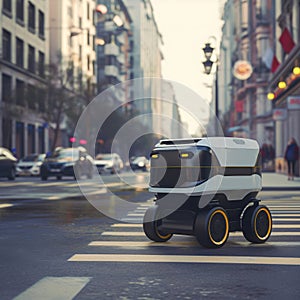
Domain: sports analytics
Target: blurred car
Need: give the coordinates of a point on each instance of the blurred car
(7, 164)
(30, 165)
(67, 162)
(108, 163)
(139, 163)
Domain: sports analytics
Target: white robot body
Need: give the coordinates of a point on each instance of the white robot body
(207, 187)
(235, 171)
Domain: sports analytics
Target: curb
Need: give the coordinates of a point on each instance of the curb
(280, 188)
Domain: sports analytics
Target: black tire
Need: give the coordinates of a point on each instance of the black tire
(257, 224)
(212, 227)
(12, 174)
(150, 226)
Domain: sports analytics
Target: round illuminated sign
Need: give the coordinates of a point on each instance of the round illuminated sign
(242, 70)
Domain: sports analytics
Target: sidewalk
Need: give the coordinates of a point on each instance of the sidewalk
(275, 181)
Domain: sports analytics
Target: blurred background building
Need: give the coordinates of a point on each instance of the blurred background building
(258, 76)
(24, 52)
(56, 55)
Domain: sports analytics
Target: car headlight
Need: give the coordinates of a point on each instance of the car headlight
(141, 164)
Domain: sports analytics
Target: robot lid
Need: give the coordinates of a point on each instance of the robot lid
(229, 151)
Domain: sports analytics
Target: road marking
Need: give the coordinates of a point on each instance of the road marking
(132, 220)
(212, 259)
(122, 225)
(6, 205)
(281, 210)
(284, 206)
(133, 244)
(49, 288)
(285, 220)
(135, 215)
(296, 226)
(141, 233)
(123, 233)
(274, 216)
(142, 208)
(53, 198)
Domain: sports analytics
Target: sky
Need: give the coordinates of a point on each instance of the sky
(185, 26)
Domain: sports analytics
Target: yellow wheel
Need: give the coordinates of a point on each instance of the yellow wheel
(212, 227)
(257, 224)
(150, 226)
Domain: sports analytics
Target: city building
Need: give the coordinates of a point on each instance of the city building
(246, 41)
(263, 37)
(168, 122)
(146, 57)
(113, 49)
(24, 53)
(284, 84)
(72, 51)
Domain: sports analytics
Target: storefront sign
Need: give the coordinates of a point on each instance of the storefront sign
(293, 102)
(279, 114)
(242, 70)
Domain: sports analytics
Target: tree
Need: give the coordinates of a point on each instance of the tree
(62, 96)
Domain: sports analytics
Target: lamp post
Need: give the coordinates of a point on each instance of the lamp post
(208, 64)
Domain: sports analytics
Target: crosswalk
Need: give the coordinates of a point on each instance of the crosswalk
(126, 243)
(130, 244)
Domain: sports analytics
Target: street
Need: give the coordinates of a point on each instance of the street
(56, 245)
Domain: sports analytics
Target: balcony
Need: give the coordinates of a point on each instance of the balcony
(111, 49)
(111, 71)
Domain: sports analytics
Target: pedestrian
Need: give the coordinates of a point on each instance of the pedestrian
(291, 156)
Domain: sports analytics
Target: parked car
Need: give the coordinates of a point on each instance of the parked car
(7, 164)
(30, 165)
(64, 162)
(108, 163)
(140, 163)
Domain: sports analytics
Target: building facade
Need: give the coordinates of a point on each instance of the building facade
(146, 57)
(264, 106)
(72, 51)
(284, 84)
(24, 53)
(113, 49)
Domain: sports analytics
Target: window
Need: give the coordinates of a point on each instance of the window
(31, 59)
(41, 65)
(41, 24)
(94, 67)
(88, 37)
(20, 91)
(31, 96)
(88, 62)
(7, 7)
(20, 10)
(6, 42)
(70, 11)
(88, 10)
(31, 17)
(19, 52)
(80, 52)
(41, 99)
(6, 87)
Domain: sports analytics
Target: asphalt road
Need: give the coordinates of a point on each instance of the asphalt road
(55, 247)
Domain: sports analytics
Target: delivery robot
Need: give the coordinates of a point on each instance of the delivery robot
(206, 187)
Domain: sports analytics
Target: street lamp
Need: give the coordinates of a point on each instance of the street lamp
(208, 64)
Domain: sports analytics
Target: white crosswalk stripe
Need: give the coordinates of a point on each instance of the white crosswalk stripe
(49, 288)
(125, 237)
